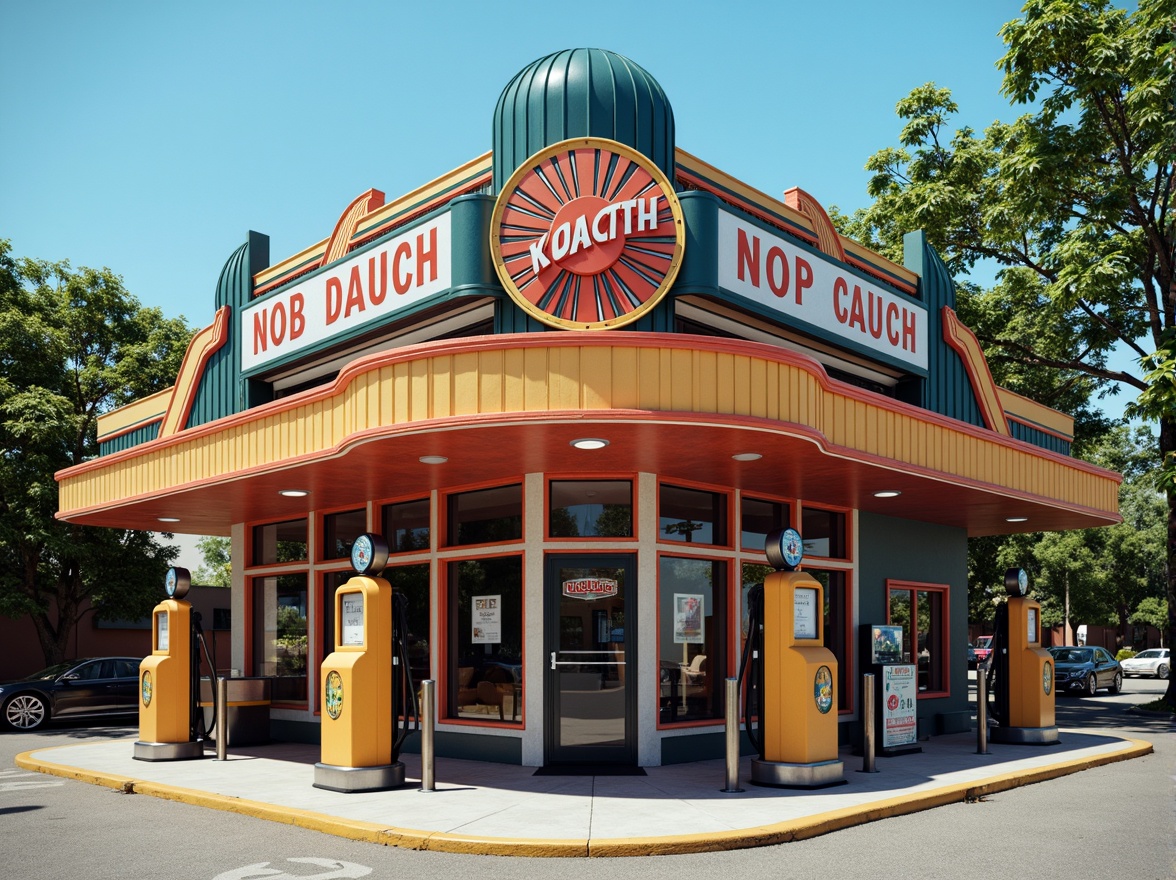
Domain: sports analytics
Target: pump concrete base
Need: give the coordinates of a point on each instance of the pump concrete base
(350, 779)
(780, 774)
(1024, 736)
(181, 751)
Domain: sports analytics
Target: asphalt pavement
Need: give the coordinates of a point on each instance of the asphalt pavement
(1080, 812)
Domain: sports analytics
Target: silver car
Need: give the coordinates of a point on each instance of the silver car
(1152, 662)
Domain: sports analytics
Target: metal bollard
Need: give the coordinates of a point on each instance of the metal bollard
(221, 706)
(982, 709)
(428, 695)
(868, 721)
(732, 718)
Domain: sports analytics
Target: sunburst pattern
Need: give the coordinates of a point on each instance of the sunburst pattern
(602, 283)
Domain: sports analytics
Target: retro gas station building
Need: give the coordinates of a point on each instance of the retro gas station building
(575, 384)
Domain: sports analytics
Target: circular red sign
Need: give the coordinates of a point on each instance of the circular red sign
(587, 234)
(892, 702)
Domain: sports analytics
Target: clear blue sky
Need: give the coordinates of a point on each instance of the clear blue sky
(149, 137)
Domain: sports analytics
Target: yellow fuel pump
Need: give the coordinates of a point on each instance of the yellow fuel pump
(1023, 671)
(796, 680)
(357, 680)
(165, 680)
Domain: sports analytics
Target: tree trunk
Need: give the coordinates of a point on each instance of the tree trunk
(1168, 453)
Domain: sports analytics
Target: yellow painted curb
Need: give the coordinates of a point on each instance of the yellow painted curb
(437, 841)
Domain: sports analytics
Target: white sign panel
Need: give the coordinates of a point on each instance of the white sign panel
(365, 289)
(161, 637)
(811, 289)
(899, 689)
(804, 613)
(351, 626)
(487, 620)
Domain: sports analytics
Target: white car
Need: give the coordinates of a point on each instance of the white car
(1153, 661)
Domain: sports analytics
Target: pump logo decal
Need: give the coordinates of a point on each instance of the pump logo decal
(590, 588)
(823, 690)
(1047, 677)
(587, 234)
(146, 688)
(334, 695)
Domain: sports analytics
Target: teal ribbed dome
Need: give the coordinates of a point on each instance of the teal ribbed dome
(581, 93)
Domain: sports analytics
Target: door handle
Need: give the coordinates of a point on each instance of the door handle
(553, 659)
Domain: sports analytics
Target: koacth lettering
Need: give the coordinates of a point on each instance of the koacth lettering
(588, 234)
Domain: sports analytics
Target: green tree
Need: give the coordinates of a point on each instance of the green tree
(73, 344)
(1152, 612)
(1072, 201)
(216, 569)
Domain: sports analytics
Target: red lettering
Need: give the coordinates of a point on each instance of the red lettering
(891, 320)
(874, 314)
(354, 293)
(334, 299)
(747, 257)
(776, 255)
(377, 294)
(297, 319)
(403, 252)
(840, 289)
(277, 323)
(804, 277)
(427, 255)
(857, 316)
(908, 330)
(260, 339)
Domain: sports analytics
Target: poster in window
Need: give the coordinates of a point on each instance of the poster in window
(804, 619)
(487, 620)
(351, 605)
(898, 705)
(689, 619)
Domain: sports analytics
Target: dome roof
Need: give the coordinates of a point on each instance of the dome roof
(581, 93)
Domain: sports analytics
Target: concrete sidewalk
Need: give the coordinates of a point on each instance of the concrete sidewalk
(501, 809)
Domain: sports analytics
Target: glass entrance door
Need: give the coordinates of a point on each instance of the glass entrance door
(591, 644)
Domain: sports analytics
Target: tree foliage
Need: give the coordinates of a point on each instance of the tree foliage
(1072, 202)
(216, 569)
(73, 344)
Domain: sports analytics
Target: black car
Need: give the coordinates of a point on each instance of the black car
(1086, 669)
(89, 688)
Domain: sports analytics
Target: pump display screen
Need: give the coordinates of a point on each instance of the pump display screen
(161, 640)
(804, 615)
(1032, 619)
(351, 615)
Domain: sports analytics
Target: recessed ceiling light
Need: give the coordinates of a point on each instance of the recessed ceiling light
(1016, 519)
(887, 493)
(293, 493)
(747, 456)
(590, 443)
(169, 519)
(432, 459)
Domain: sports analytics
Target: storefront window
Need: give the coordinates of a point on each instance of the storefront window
(406, 526)
(591, 509)
(758, 519)
(486, 639)
(280, 637)
(412, 582)
(279, 542)
(340, 530)
(921, 611)
(692, 516)
(486, 515)
(823, 532)
(692, 627)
